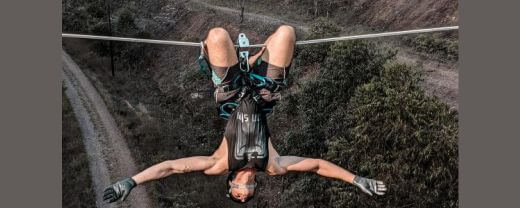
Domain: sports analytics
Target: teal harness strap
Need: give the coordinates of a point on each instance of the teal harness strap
(214, 77)
(203, 63)
(247, 81)
(226, 109)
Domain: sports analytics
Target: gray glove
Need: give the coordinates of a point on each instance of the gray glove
(121, 189)
(370, 186)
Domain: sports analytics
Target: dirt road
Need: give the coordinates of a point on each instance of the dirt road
(441, 79)
(109, 157)
(248, 17)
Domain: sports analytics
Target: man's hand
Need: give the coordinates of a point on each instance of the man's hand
(121, 189)
(370, 186)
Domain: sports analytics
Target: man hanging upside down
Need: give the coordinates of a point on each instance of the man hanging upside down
(245, 95)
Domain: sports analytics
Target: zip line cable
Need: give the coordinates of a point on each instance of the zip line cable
(302, 42)
(377, 35)
(135, 40)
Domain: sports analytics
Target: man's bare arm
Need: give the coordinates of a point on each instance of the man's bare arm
(325, 168)
(215, 164)
(318, 166)
(208, 164)
(121, 189)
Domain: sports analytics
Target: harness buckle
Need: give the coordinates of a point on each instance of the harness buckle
(243, 54)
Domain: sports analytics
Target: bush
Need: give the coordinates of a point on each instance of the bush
(126, 22)
(431, 44)
(320, 109)
(101, 47)
(137, 55)
(79, 16)
(399, 135)
(316, 53)
(75, 20)
(324, 97)
(96, 10)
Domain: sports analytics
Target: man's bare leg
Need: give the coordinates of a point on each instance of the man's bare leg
(279, 47)
(220, 48)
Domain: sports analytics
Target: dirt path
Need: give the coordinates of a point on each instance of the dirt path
(103, 140)
(250, 17)
(441, 79)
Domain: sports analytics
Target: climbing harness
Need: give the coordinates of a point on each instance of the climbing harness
(244, 82)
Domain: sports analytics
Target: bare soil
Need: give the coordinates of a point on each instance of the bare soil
(406, 14)
(440, 76)
(109, 157)
(441, 79)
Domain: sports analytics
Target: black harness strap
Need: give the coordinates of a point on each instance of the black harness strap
(229, 94)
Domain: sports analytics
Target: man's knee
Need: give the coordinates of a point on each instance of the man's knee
(286, 31)
(217, 34)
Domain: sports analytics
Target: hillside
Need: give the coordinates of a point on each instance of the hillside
(151, 97)
(380, 14)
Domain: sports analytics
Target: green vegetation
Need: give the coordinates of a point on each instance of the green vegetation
(397, 134)
(310, 54)
(350, 103)
(81, 16)
(368, 114)
(303, 10)
(434, 44)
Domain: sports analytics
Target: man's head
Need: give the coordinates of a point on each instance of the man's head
(241, 185)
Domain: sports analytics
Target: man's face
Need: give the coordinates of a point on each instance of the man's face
(242, 193)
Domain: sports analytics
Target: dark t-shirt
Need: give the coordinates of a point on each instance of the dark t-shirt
(247, 136)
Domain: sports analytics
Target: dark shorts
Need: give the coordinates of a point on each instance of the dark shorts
(223, 76)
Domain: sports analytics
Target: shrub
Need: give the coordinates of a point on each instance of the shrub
(126, 22)
(75, 20)
(79, 16)
(137, 55)
(431, 44)
(399, 135)
(324, 97)
(96, 10)
(316, 53)
(100, 47)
